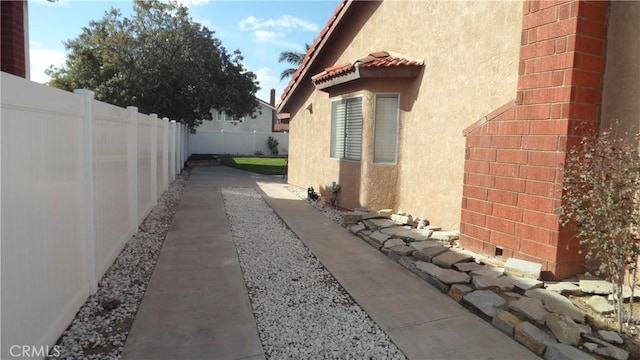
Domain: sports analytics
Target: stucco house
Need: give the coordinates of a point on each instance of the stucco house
(387, 100)
(263, 120)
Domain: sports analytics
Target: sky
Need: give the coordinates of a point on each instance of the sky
(260, 29)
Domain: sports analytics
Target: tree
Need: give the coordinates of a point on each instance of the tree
(160, 61)
(294, 58)
(601, 202)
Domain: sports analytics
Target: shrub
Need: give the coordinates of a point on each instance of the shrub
(601, 201)
(272, 144)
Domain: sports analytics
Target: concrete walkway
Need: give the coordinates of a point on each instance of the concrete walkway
(197, 307)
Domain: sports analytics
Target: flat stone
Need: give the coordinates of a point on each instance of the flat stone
(489, 271)
(377, 224)
(401, 219)
(393, 242)
(600, 287)
(350, 218)
(419, 245)
(565, 352)
(584, 329)
(449, 276)
(612, 352)
(428, 268)
(403, 250)
(533, 338)
(488, 282)
(447, 236)
(371, 215)
(385, 212)
(361, 210)
(596, 340)
(522, 268)
(412, 235)
(433, 227)
(458, 291)
(565, 330)
(611, 337)
(557, 303)
(486, 301)
(590, 346)
(425, 270)
(531, 308)
(564, 288)
(427, 254)
(407, 263)
(524, 284)
(512, 294)
(449, 258)
(505, 322)
(468, 266)
(393, 230)
(357, 228)
(600, 304)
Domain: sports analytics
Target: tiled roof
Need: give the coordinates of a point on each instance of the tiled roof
(313, 49)
(380, 59)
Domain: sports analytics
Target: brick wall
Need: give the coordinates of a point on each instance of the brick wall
(12, 27)
(514, 155)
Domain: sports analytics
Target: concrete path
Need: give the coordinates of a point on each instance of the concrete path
(196, 306)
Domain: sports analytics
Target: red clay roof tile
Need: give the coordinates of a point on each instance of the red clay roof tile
(375, 59)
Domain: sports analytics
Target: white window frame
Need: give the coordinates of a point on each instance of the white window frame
(376, 129)
(331, 128)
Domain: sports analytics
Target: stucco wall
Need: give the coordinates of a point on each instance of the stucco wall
(261, 123)
(622, 72)
(470, 51)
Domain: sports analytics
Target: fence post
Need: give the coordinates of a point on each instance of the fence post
(172, 150)
(132, 167)
(165, 154)
(154, 159)
(178, 148)
(89, 201)
(255, 143)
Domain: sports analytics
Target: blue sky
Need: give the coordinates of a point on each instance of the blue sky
(260, 29)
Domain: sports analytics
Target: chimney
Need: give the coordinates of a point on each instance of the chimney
(272, 99)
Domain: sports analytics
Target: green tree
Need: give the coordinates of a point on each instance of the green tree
(160, 61)
(293, 58)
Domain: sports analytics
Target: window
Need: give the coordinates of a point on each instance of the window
(385, 142)
(346, 128)
(222, 116)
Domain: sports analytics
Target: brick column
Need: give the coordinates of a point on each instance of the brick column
(13, 51)
(513, 171)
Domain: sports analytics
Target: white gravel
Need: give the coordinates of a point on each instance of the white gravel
(102, 324)
(320, 204)
(301, 310)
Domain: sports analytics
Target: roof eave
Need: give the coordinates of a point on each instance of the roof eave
(370, 73)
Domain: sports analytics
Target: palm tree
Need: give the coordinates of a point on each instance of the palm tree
(294, 58)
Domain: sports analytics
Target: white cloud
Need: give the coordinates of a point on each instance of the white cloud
(286, 22)
(40, 60)
(188, 3)
(267, 82)
(264, 35)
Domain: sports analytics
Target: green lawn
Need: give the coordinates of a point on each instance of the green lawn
(261, 165)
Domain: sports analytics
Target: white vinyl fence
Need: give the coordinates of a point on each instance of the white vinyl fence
(235, 143)
(78, 177)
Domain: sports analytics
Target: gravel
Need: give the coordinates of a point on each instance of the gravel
(320, 204)
(102, 324)
(301, 310)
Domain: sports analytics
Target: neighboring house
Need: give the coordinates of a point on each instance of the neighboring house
(386, 101)
(262, 120)
(15, 38)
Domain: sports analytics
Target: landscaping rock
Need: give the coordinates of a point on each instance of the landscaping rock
(584, 329)
(506, 322)
(419, 245)
(357, 228)
(427, 254)
(446, 236)
(423, 269)
(468, 266)
(407, 263)
(403, 250)
(458, 291)
(612, 352)
(524, 284)
(600, 287)
(411, 235)
(565, 330)
(393, 230)
(451, 257)
(401, 219)
(590, 346)
(449, 276)
(488, 282)
(531, 308)
(433, 227)
(489, 271)
(600, 304)
(385, 212)
(486, 301)
(564, 288)
(557, 303)
(565, 352)
(533, 338)
(377, 224)
(611, 337)
(350, 218)
(393, 242)
(522, 268)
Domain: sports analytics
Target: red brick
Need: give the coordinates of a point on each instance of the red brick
(532, 35)
(476, 167)
(549, 127)
(482, 154)
(556, 111)
(539, 203)
(479, 180)
(589, 62)
(532, 112)
(551, 3)
(540, 142)
(535, 80)
(506, 141)
(534, 233)
(504, 240)
(478, 206)
(592, 29)
(537, 49)
(540, 219)
(525, 7)
(476, 141)
(593, 11)
(546, 158)
(558, 78)
(471, 217)
(530, 66)
(470, 243)
(512, 156)
(542, 188)
(561, 45)
(503, 169)
(557, 29)
(584, 112)
(475, 192)
(583, 78)
(564, 11)
(507, 212)
(502, 225)
(477, 232)
(539, 250)
(540, 18)
(509, 184)
(584, 44)
(540, 173)
(551, 95)
(587, 95)
(535, 5)
(502, 197)
(555, 62)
